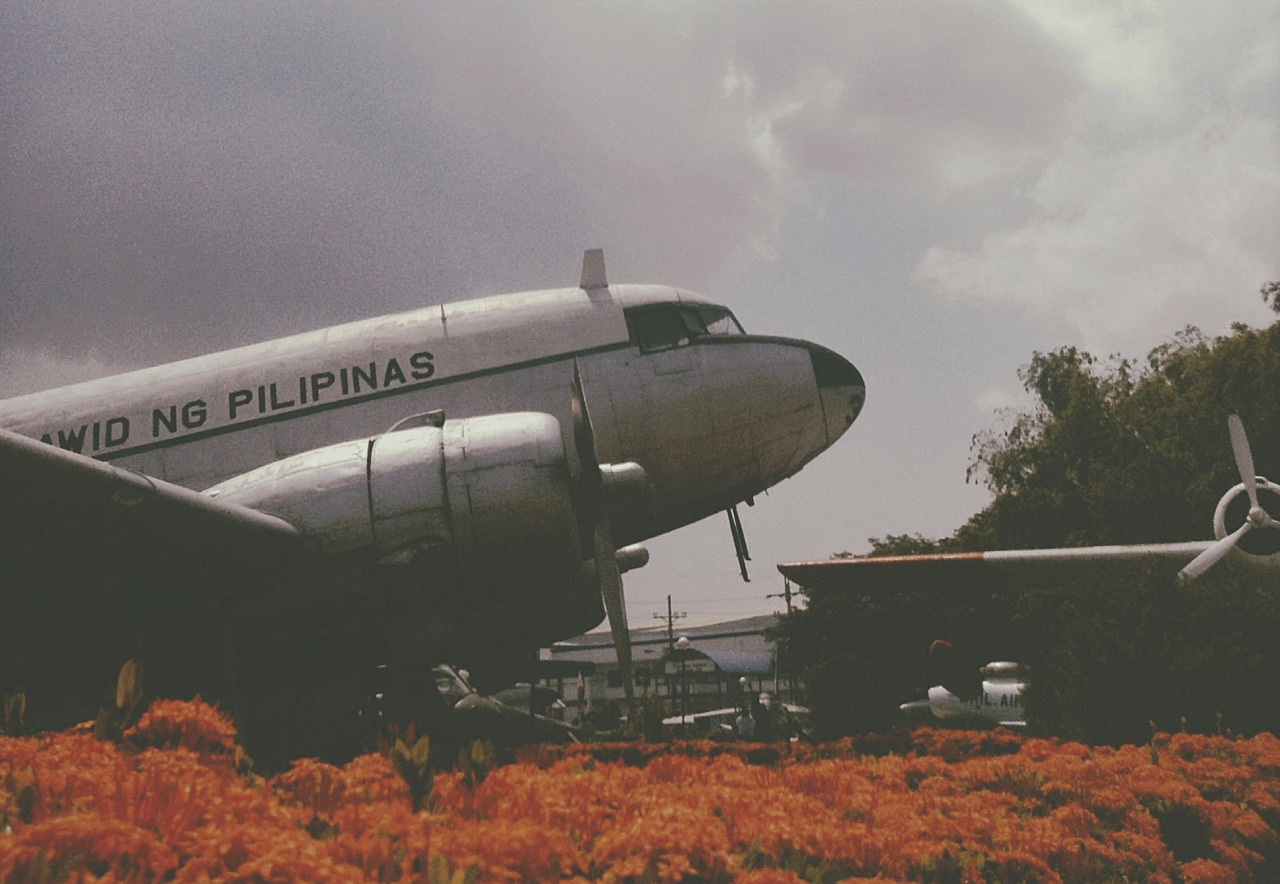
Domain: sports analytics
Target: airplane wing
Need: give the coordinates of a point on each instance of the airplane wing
(1023, 569)
(95, 559)
(726, 712)
(36, 475)
(1248, 537)
(64, 508)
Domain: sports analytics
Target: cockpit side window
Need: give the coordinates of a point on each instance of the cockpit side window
(664, 326)
(659, 327)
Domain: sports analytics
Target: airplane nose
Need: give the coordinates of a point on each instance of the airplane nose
(840, 387)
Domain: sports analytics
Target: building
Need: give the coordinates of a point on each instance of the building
(719, 662)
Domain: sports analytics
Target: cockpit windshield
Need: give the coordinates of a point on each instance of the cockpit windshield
(663, 326)
(719, 321)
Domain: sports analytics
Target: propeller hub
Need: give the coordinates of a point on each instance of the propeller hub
(1252, 529)
(1236, 511)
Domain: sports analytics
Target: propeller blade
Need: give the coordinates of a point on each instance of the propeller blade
(584, 437)
(1244, 459)
(591, 484)
(614, 604)
(1213, 554)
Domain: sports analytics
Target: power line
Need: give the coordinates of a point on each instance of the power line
(727, 597)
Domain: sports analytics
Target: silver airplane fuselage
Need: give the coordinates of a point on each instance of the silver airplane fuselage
(713, 415)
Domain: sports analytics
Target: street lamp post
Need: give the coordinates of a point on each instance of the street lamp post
(682, 645)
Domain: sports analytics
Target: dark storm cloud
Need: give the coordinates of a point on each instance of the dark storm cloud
(179, 178)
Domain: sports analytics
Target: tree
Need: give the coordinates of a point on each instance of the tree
(1118, 453)
(1271, 295)
(907, 545)
(1113, 452)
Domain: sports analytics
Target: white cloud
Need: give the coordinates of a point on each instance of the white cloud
(1121, 45)
(1160, 208)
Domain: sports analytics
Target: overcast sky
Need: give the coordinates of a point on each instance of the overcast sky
(933, 189)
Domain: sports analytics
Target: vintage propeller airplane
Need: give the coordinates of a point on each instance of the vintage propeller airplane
(463, 483)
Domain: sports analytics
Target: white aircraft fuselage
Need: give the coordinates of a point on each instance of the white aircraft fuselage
(713, 418)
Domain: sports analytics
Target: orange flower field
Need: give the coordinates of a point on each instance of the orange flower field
(169, 805)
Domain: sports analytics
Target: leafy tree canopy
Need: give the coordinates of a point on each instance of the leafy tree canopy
(903, 545)
(1122, 452)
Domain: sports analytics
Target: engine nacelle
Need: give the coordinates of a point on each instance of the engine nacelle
(471, 484)
(1232, 511)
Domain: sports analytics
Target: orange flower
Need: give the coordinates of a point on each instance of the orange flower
(190, 724)
(958, 804)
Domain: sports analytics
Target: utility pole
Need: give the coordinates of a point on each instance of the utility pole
(671, 619)
(785, 594)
